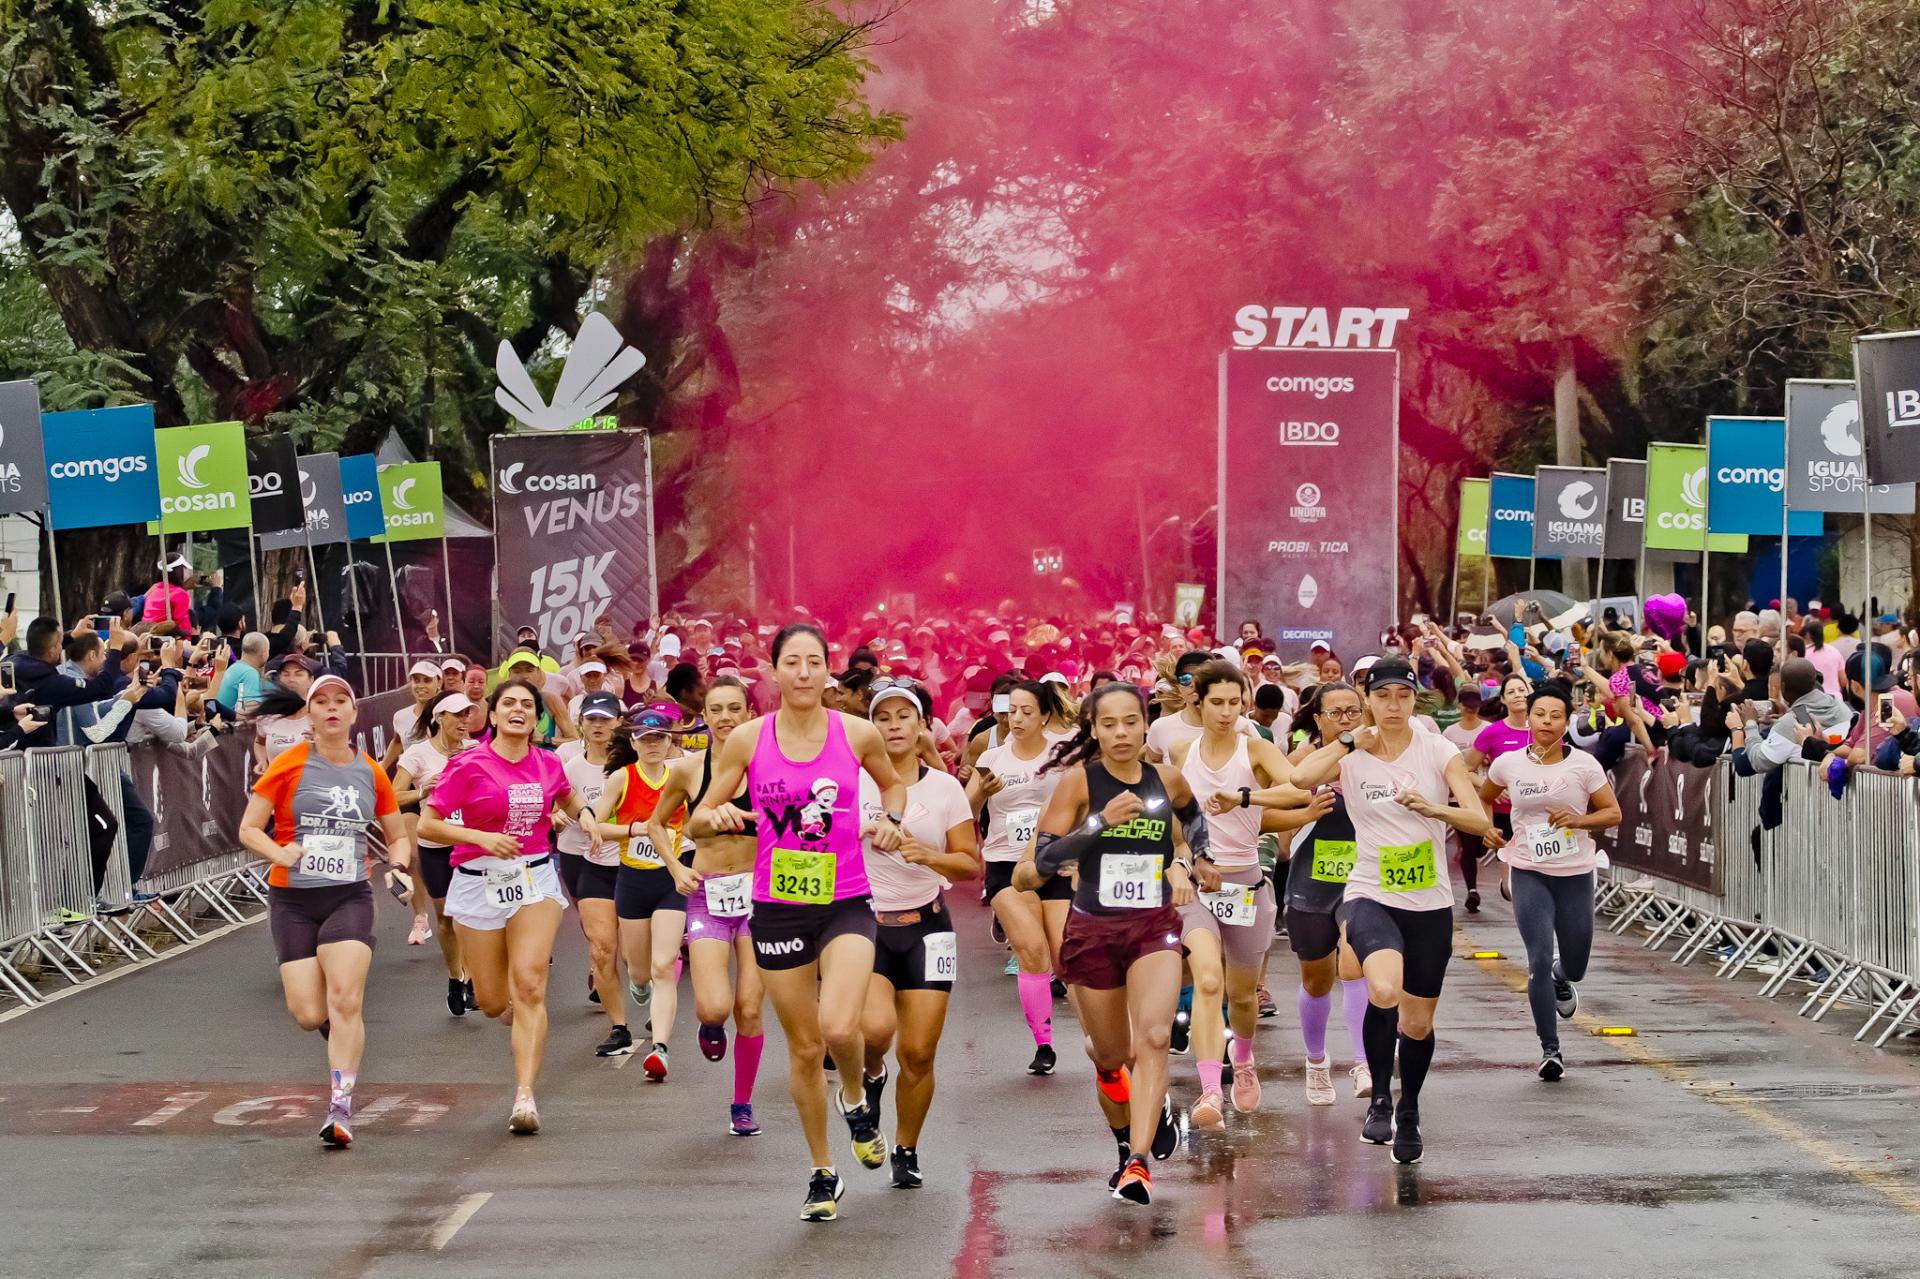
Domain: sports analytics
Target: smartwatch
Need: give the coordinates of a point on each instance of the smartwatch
(895, 818)
(1246, 796)
(1346, 740)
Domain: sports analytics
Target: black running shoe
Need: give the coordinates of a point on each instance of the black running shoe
(875, 1089)
(1126, 1157)
(1407, 1146)
(1043, 1060)
(823, 1196)
(1181, 1034)
(618, 1043)
(1059, 989)
(1135, 1182)
(473, 1005)
(1473, 901)
(996, 932)
(1566, 997)
(456, 997)
(1166, 1137)
(1378, 1126)
(593, 992)
(863, 1126)
(906, 1168)
(1552, 1067)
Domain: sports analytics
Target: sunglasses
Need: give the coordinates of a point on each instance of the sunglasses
(894, 681)
(1185, 678)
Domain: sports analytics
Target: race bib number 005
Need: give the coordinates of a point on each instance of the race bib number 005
(800, 877)
(1131, 881)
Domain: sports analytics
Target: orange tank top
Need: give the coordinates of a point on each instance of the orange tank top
(639, 795)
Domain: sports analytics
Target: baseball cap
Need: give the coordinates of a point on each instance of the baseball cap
(1883, 677)
(1320, 646)
(1253, 653)
(329, 681)
(602, 705)
(424, 667)
(451, 704)
(520, 659)
(1390, 671)
(1670, 664)
(452, 664)
(595, 667)
(648, 722)
(669, 645)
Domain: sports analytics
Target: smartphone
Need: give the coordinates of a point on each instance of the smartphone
(103, 623)
(1886, 709)
(1517, 636)
(155, 643)
(1002, 703)
(146, 669)
(299, 577)
(7, 685)
(10, 601)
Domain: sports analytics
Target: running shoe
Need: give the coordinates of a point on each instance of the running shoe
(1551, 1067)
(1181, 1037)
(640, 995)
(1013, 967)
(1210, 1111)
(593, 992)
(1473, 906)
(1566, 996)
(456, 997)
(473, 1005)
(1319, 1082)
(338, 1134)
(1407, 1146)
(1246, 1087)
(1114, 1089)
(1059, 988)
(1378, 1127)
(656, 1064)
(741, 1124)
(996, 932)
(823, 1196)
(1136, 1183)
(1506, 891)
(906, 1168)
(1126, 1157)
(525, 1120)
(618, 1043)
(1362, 1079)
(1043, 1060)
(713, 1042)
(1166, 1137)
(1267, 1007)
(875, 1089)
(422, 931)
(869, 1143)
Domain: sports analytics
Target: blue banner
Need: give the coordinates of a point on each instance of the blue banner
(1510, 517)
(360, 494)
(101, 467)
(1746, 478)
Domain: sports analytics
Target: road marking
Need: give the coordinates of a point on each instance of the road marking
(78, 1110)
(620, 1062)
(1890, 1184)
(459, 1215)
(95, 983)
(177, 1104)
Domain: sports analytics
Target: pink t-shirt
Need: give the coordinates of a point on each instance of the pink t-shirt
(1497, 739)
(935, 805)
(496, 794)
(1828, 661)
(1387, 834)
(161, 597)
(1533, 788)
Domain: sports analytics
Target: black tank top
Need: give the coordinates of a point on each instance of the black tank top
(1149, 832)
(740, 801)
(1328, 845)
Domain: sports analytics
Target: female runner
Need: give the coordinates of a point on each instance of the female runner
(587, 867)
(1559, 798)
(718, 887)
(1111, 816)
(1397, 915)
(438, 735)
(1227, 932)
(916, 955)
(280, 716)
(1498, 738)
(813, 927)
(319, 797)
(1009, 784)
(505, 900)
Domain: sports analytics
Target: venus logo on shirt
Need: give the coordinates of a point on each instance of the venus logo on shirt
(1378, 792)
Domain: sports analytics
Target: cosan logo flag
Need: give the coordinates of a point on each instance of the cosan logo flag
(203, 478)
(1510, 516)
(597, 364)
(1569, 512)
(411, 496)
(1747, 478)
(1471, 543)
(1676, 511)
(101, 468)
(1886, 366)
(1826, 456)
(23, 463)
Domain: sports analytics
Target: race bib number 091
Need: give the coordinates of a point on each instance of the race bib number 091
(943, 956)
(1131, 881)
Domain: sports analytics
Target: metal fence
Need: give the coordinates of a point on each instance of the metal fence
(1828, 901)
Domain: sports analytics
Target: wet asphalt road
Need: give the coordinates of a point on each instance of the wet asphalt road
(163, 1124)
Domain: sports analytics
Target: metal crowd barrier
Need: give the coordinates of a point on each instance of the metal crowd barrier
(1829, 899)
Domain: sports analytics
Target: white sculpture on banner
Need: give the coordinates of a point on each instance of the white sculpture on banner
(596, 366)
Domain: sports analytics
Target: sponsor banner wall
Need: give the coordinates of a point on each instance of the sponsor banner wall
(1569, 512)
(1666, 821)
(318, 483)
(203, 478)
(23, 462)
(1825, 469)
(361, 496)
(273, 478)
(1677, 501)
(1747, 476)
(1887, 369)
(1309, 495)
(1510, 516)
(1471, 541)
(100, 467)
(573, 533)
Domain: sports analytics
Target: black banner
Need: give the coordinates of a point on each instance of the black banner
(23, 459)
(573, 533)
(1887, 370)
(273, 481)
(1666, 821)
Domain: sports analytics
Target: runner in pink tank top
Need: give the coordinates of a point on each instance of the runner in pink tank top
(809, 823)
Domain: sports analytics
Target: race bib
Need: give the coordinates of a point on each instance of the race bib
(1131, 881)
(800, 877)
(1550, 843)
(728, 896)
(1232, 905)
(641, 853)
(1406, 868)
(511, 887)
(1021, 823)
(943, 956)
(330, 857)
(1332, 860)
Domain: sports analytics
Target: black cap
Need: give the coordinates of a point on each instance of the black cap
(1391, 670)
(1883, 677)
(602, 704)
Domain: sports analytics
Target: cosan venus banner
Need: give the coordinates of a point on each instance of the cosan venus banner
(573, 533)
(1309, 495)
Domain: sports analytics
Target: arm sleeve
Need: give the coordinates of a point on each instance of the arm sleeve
(1051, 853)
(1193, 823)
(106, 718)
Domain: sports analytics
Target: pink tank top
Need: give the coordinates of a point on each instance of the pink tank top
(809, 821)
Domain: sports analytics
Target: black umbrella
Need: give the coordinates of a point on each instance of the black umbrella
(1555, 609)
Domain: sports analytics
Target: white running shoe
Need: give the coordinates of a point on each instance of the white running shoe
(1320, 1083)
(1362, 1079)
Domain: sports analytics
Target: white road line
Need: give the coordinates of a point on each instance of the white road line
(95, 983)
(459, 1215)
(620, 1062)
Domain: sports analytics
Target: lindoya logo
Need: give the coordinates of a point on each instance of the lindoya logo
(596, 366)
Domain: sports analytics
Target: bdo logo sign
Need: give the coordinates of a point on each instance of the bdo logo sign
(203, 478)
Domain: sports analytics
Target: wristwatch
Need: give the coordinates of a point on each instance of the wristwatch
(1346, 740)
(895, 818)
(1246, 796)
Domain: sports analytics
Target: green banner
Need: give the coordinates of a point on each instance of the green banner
(203, 478)
(1471, 543)
(1677, 501)
(412, 497)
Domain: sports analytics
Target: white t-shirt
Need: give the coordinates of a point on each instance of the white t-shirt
(588, 779)
(405, 720)
(1013, 813)
(1386, 833)
(1169, 731)
(1533, 788)
(424, 764)
(282, 732)
(935, 805)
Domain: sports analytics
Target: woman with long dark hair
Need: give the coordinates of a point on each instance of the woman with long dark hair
(439, 734)
(588, 869)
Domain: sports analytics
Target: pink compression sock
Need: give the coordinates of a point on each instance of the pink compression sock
(1353, 1006)
(1209, 1072)
(746, 1066)
(1036, 1001)
(1314, 1012)
(1242, 1051)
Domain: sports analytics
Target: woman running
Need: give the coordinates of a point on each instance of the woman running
(1559, 798)
(1009, 785)
(813, 928)
(1227, 931)
(651, 912)
(319, 797)
(718, 887)
(1397, 915)
(438, 735)
(424, 684)
(280, 716)
(506, 900)
(1498, 738)
(916, 954)
(1111, 816)
(588, 867)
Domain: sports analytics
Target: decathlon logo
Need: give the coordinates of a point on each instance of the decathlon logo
(1309, 591)
(105, 468)
(1774, 479)
(1578, 501)
(1693, 489)
(1837, 429)
(401, 499)
(190, 466)
(511, 481)
(594, 369)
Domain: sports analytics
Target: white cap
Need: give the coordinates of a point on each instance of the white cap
(452, 664)
(1322, 645)
(424, 667)
(1053, 677)
(1363, 664)
(591, 668)
(454, 704)
(328, 681)
(669, 645)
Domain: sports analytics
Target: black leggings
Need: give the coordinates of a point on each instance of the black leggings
(1552, 912)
